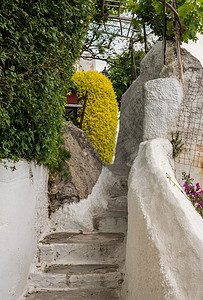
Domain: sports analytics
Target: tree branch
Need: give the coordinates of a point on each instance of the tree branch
(182, 26)
(108, 60)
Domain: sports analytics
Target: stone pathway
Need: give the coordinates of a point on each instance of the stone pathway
(74, 266)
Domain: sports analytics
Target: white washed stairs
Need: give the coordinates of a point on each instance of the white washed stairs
(74, 266)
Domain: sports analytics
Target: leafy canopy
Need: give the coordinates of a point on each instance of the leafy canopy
(148, 18)
(104, 33)
(150, 12)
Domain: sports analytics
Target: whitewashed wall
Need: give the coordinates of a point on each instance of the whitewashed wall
(165, 233)
(88, 64)
(23, 212)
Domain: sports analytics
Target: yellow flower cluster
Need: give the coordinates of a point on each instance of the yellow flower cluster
(100, 120)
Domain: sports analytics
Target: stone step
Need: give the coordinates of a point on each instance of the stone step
(109, 221)
(66, 277)
(120, 185)
(119, 170)
(119, 203)
(86, 248)
(119, 189)
(74, 295)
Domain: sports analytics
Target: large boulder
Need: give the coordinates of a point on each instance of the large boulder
(85, 167)
(133, 104)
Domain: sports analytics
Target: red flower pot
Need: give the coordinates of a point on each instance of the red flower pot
(72, 99)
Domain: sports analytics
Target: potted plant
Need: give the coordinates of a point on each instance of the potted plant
(71, 94)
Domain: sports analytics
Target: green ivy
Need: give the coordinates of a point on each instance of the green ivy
(39, 42)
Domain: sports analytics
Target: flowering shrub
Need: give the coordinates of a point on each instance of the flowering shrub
(100, 120)
(194, 192)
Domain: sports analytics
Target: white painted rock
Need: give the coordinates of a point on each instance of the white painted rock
(163, 97)
(165, 233)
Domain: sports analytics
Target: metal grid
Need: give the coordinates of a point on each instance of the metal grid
(120, 19)
(190, 126)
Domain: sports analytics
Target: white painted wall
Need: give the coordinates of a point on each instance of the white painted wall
(23, 211)
(164, 257)
(88, 64)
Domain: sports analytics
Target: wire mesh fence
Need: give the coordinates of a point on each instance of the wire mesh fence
(190, 125)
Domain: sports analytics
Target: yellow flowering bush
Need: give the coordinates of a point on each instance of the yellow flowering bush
(100, 120)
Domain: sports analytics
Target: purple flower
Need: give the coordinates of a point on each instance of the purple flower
(197, 186)
(194, 192)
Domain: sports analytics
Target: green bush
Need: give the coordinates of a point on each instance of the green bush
(100, 120)
(39, 43)
(120, 71)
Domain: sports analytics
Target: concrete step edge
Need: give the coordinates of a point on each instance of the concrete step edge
(84, 238)
(99, 294)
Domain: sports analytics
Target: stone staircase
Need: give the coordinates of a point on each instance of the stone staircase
(85, 265)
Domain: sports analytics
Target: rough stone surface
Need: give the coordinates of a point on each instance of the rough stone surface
(131, 132)
(74, 295)
(85, 167)
(165, 233)
(66, 277)
(81, 269)
(86, 238)
(119, 203)
(111, 219)
(92, 248)
(163, 97)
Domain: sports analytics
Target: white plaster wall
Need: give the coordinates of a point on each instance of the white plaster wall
(88, 64)
(22, 193)
(164, 257)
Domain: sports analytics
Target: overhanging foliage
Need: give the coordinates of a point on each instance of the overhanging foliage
(39, 42)
(150, 12)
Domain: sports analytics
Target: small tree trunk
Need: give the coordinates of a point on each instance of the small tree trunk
(145, 38)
